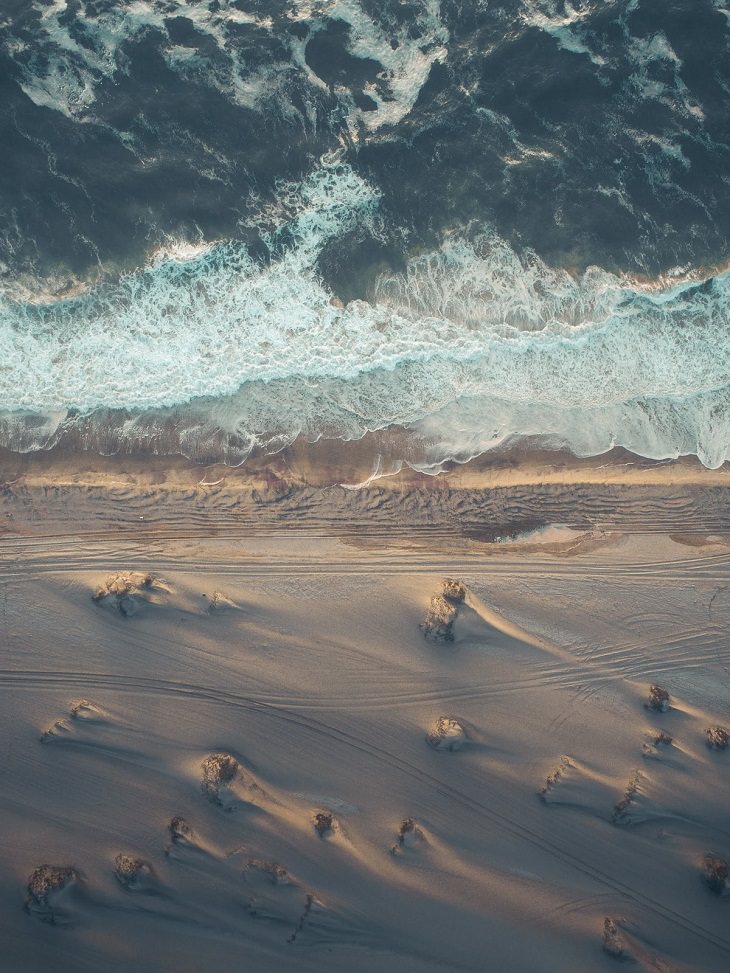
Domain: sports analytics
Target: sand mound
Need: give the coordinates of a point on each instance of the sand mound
(218, 602)
(44, 887)
(129, 591)
(132, 873)
(56, 730)
(220, 770)
(656, 738)
(324, 823)
(180, 831)
(717, 737)
(270, 871)
(410, 835)
(715, 872)
(553, 779)
(613, 942)
(573, 784)
(442, 613)
(446, 734)
(82, 710)
(622, 809)
(659, 699)
(454, 590)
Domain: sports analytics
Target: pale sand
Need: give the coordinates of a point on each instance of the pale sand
(273, 618)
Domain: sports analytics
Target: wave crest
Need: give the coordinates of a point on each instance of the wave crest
(471, 345)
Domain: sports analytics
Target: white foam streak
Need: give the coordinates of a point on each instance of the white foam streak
(66, 75)
(470, 346)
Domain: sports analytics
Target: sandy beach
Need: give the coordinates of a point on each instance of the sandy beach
(364, 486)
(246, 726)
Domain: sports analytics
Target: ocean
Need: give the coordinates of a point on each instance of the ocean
(226, 225)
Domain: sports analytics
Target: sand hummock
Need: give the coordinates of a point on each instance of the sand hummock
(554, 778)
(131, 872)
(613, 941)
(715, 873)
(219, 772)
(446, 733)
(324, 823)
(656, 738)
(180, 831)
(410, 835)
(658, 700)
(272, 871)
(438, 625)
(45, 885)
(82, 711)
(219, 602)
(622, 808)
(129, 591)
(717, 737)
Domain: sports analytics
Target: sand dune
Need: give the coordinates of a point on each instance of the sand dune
(267, 759)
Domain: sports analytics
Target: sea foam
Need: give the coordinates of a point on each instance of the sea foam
(470, 346)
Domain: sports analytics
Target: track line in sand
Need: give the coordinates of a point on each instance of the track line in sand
(318, 728)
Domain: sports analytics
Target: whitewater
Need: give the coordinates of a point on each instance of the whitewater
(471, 346)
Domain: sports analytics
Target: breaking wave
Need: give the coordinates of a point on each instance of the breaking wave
(213, 351)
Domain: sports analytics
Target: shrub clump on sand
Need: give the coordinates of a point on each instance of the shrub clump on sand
(43, 884)
(661, 737)
(180, 830)
(446, 733)
(658, 700)
(613, 941)
(324, 823)
(126, 592)
(131, 873)
(219, 770)
(715, 872)
(656, 738)
(717, 737)
(219, 602)
(53, 732)
(276, 874)
(454, 590)
(552, 780)
(438, 625)
(409, 834)
(622, 809)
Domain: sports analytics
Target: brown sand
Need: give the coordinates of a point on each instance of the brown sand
(586, 583)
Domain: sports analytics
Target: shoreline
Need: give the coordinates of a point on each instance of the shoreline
(327, 487)
(354, 464)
